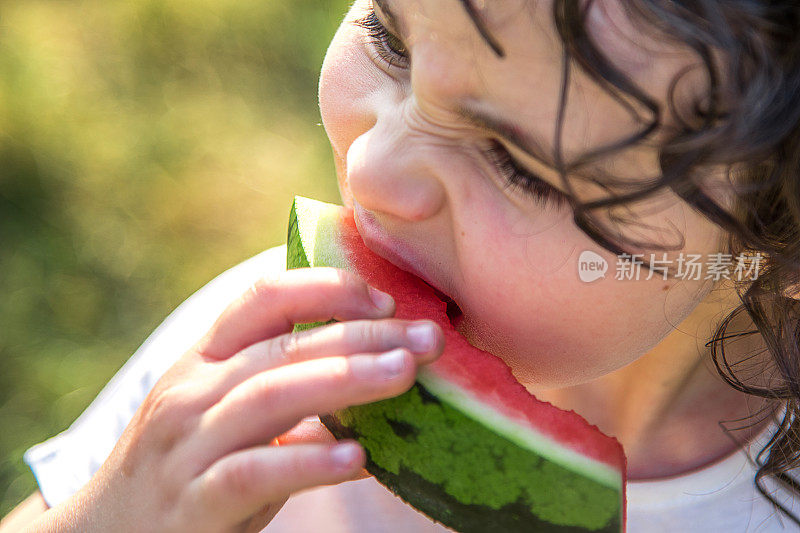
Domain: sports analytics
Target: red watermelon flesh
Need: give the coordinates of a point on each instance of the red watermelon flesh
(477, 394)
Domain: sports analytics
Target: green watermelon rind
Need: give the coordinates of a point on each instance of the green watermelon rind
(459, 500)
(521, 435)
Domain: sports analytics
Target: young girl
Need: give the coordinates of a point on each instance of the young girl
(491, 148)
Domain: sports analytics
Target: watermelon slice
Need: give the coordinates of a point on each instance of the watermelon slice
(467, 445)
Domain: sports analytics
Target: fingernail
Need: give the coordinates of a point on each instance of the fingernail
(421, 337)
(344, 455)
(392, 363)
(380, 299)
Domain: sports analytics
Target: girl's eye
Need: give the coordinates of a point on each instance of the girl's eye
(516, 176)
(391, 50)
(387, 45)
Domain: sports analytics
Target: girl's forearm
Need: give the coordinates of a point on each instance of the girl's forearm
(73, 515)
(24, 514)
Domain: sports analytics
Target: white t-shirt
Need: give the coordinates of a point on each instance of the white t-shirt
(720, 497)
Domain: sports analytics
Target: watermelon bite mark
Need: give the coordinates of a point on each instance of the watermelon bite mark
(453, 311)
(467, 445)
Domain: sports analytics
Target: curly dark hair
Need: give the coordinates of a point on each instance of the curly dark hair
(747, 122)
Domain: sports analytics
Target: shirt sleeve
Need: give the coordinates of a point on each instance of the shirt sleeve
(64, 463)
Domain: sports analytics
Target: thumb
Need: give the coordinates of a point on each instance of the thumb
(310, 429)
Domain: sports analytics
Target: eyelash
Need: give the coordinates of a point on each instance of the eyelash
(380, 38)
(514, 175)
(517, 177)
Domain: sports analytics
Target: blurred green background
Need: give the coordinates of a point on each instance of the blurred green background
(145, 146)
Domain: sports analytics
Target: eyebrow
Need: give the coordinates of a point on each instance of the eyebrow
(512, 133)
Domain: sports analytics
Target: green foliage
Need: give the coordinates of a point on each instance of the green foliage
(145, 146)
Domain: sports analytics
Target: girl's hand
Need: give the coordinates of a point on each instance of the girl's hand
(204, 453)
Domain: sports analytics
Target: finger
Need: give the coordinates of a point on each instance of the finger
(239, 485)
(310, 429)
(424, 338)
(273, 305)
(271, 403)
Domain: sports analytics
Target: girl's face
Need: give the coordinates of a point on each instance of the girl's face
(428, 126)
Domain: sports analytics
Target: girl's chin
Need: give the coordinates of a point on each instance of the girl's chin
(536, 375)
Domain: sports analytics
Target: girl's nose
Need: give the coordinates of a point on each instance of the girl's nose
(395, 174)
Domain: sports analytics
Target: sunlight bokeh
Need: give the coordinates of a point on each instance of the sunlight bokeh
(146, 146)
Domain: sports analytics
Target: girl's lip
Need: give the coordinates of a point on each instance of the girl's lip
(393, 250)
